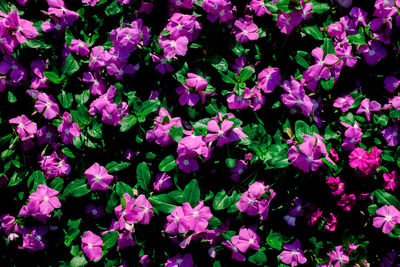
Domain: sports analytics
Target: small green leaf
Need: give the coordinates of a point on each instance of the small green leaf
(246, 73)
(319, 8)
(110, 239)
(113, 9)
(167, 164)
(71, 65)
(223, 201)
(258, 258)
(53, 77)
(76, 188)
(163, 203)
(143, 176)
(230, 163)
(78, 261)
(314, 32)
(116, 167)
(67, 152)
(219, 63)
(357, 39)
(191, 193)
(301, 128)
(127, 122)
(176, 133)
(122, 188)
(385, 198)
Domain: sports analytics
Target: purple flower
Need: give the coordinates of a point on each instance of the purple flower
(23, 29)
(248, 239)
(174, 47)
(179, 261)
(196, 218)
(373, 52)
(245, 30)
(344, 102)
(58, 9)
(338, 257)
(163, 182)
(38, 80)
(17, 73)
(391, 83)
(98, 177)
(47, 199)
(268, 79)
(233, 246)
(48, 104)
(367, 106)
(163, 66)
(91, 245)
(79, 47)
(296, 96)
(306, 157)
(391, 180)
(68, 129)
(97, 58)
(387, 218)
(292, 254)
(25, 128)
(32, 239)
(391, 135)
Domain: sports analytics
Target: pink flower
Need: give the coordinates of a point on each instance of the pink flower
(79, 47)
(344, 102)
(68, 129)
(142, 210)
(359, 159)
(163, 182)
(391, 180)
(47, 198)
(388, 217)
(391, 83)
(245, 30)
(23, 29)
(338, 257)
(268, 79)
(26, 128)
(248, 239)
(91, 245)
(174, 47)
(292, 254)
(98, 177)
(48, 104)
(179, 261)
(367, 106)
(197, 217)
(233, 246)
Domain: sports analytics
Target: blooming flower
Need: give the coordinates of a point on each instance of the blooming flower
(91, 245)
(387, 218)
(344, 102)
(98, 177)
(47, 198)
(26, 128)
(48, 104)
(337, 257)
(292, 254)
(245, 30)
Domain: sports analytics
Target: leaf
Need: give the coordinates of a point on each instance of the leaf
(328, 47)
(163, 203)
(146, 108)
(319, 8)
(127, 122)
(300, 59)
(394, 114)
(76, 188)
(113, 9)
(114, 166)
(275, 240)
(219, 63)
(67, 152)
(71, 65)
(246, 73)
(109, 239)
(301, 128)
(372, 209)
(52, 76)
(222, 200)
(191, 193)
(328, 84)
(357, 39)
(143, 176)
(230, 77)
(230, 163)
(314, 32)
(78, 261)
(122, 188)
(65, 99)
(167, 164)
(258, 258)
(57, 184)
(177, 195)
(385, 198)
(176, 133)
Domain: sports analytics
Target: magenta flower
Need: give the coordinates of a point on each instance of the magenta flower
(347, 201)
(236, 101)
(387, 218)
(358, 158)
(245, 30)
(98, 85)
(268, 79)
(91, 245)
(259, 8)
(17, 73)
(391, 180)
(367, 107)
(25, 128)
(68, 129)
(32, 239)
(58, 9)
(48, 104)
(163, 182)
(296, 96)
(188, 163)
(373, 52)
(175, 223)
(98, 177)
(308, 157)
(179, 261)
(352, 135)
(337, 257)
(391, 135)
(248, 239)
(142, 210)
(233, 246)
(79, 47)
(344, 102)
(215, 132)
(391, 83)
(174, 47)
(163, 66)
(292, 254)
(23, 29)
(197, 218)
(97, 58)
(38, 79)
(47, 198)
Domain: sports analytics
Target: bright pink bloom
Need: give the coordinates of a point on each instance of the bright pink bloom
(26, 128)
(197, 218)
(344, 102)
(268, 79)
(292, 254)
(79, 47)
(367, 107)
(388, 217)
(98, 177)
(248, 239)
(48, 104)
(245, 30)
(91, 245)
(338, 257)
(391, 180)
(47, 198)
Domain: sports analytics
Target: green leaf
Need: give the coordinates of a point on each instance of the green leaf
(143, 176)
(230, 77)
(76, 188)
(176, 133)
(52, 76)
(314, 32)
(67, 152)
(258, 258)
(113, 9)
(230, 163)
(191, 193)
(163, 203)
(65, 99)
(127, 122)
(78, 261)
(372, 209)
(246, 73)
(110, 239)
(37, 178)
(81, 115)
(71, 65)
(319, 8)
(275, 240)
(146, 108)
(385, 198)
(301, 59)
(177, 195)
(223, 201)
(357, 39)
(301, 128)
(167, 164)
(219, 63)
(394, 114)
(116, 167)
(57, 184)
(122, 188)
(328, 84)
(328, 47)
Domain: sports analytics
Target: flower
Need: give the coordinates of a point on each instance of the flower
(46, 197)
(196, 218)
(48, 104)
(338, 257)
(344, 102)
(292, 254)
(26, 128)
(391, 180)
(245, 30)
(98, 177)
(91, 245)
(387, 217)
